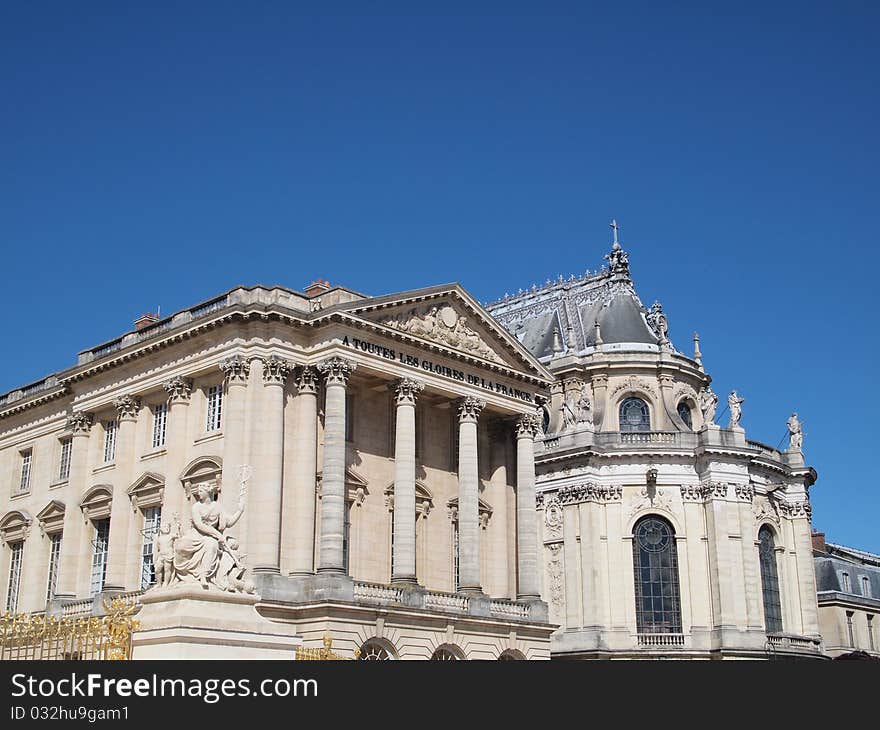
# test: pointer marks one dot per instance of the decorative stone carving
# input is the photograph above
(469, 409)
(206, 554)
(237, 369)
(444, 325)
(618, 259)
(80, 423)
(634, 384)
(659, 323)
(275, 370)
(577, 408)
(555, 578)
(589, 492)
(795, 510)
(683, 390)
(306, 380)
(734, 402)
(744, 492)
(407, 390)
(179, 389)
(163, 551)
(527, 425)
(708, 405)
(765, 509)
(127, 407)
(652, 499)
(694, 493)
(553, 518)
(716, 490)
(337, 370)
(795, 433)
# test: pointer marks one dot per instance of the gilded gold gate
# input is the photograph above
(26, 636)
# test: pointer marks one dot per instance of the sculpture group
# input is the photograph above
(442, 324)
(205, 554)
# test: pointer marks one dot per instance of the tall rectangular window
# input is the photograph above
(54, 560)
(99, 556)
(152, 518)
(455, 573)
(109, 441)
(871, 632)
(849, 628)
(866, 586)
(215, 407)
(160, 415)
(844, 579)
(346, 537)
(64, 461)
(27, 460)
(14, 576)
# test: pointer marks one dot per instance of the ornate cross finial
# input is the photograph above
(614, 228)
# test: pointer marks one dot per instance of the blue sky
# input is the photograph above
(160, 155)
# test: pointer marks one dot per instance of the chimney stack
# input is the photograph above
(145, 320)
(317, 287)
(818, 541)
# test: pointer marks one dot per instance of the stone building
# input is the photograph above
(848, 582)
(662, 532)
(290, 464)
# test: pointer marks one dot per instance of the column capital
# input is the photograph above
(127, 407)
(337, 370)
(306, 380)
(237, 369)
(407, 390)
(527, 426)
(80, 423)
(179, 389)
(469, 409)
(276, 370)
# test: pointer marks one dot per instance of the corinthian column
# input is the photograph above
(336, 372)
(468, 496)
(127, 408)
(264, 502)
(74, 541)
(526, 513)
(237, 372)
(173, 498)
(403, 569)
(304, 465)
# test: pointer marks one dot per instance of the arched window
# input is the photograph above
(447, 653)
(511, 655)
(684, 413)
(634, 415)
(376, 650)
(655, 564)
(769, 581)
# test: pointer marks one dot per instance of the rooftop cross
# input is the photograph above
(614, 227)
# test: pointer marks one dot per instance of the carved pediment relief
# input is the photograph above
(51, 517)
(147, 491)
(442, 323)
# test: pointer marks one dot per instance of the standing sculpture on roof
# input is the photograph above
(734, 402)
(795, 433)
(708, 404)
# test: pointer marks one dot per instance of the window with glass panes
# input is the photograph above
(215, 408)
(160, 415)
(152, 518)
(27, 460)
(684, 413)
(99, 556)
(634, 415)
(109, 441)
(655, 564)
(455, 572)
(769, 581)
(14, 584)
(64, 460)
(54, 561)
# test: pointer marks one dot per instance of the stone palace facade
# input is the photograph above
(416, 474)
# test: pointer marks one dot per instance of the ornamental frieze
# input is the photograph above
(795, 510)
(744, 492)
(635, 384)
(443, 325)
(589, 492)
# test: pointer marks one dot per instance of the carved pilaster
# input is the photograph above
(306, 380)
(80, 423)
(276, 370)
(179, 389)
(469, 409)
(337, 370)
(127, 407)
(236, 369)
(407, 390)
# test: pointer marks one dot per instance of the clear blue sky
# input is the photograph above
(160, 155)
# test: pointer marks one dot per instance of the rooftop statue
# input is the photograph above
(734, 402)
(658, 320)
(618, 260)
(708, 404)
(795, 433)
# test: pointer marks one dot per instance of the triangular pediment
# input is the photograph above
(51, 517)
(449, 317)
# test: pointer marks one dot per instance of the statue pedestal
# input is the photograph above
(793, 458)
(186, 621)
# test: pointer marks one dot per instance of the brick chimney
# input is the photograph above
(818, 541)
(317, 287)
(145, 320)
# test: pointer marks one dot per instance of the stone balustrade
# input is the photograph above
(660, 641)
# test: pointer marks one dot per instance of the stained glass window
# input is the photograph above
(655, 563)
(769, 581)
(634, 415)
